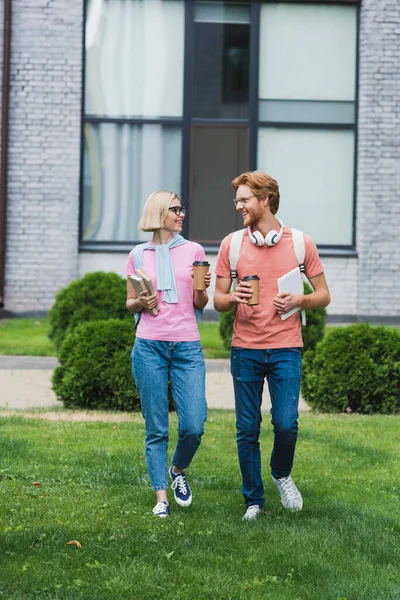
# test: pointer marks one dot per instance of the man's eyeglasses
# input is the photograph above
(242, 200)
(178, 210)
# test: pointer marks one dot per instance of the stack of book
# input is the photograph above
(142, 282)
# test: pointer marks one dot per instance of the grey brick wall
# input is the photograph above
(42, 250)
(44, 153)
(1, 57)
(378, 183)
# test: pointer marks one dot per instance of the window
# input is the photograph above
(307, 115)
(186, 95)
(133, 112)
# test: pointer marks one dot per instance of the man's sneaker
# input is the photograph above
(253, 512)
(161, 509)
(182, 493)
(290, 495)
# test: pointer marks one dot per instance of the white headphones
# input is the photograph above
(270, 239)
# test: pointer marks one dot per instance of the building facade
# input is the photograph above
(112, 99)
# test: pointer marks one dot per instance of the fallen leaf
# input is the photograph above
(216, 457)
(115, 427)
(74, 543)
(37, 484)
(61, 441)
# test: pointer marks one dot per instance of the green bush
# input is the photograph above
(354, 369)
(95, 370)
(95, 297)
(312, 333)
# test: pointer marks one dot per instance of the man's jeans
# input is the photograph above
(153, 364)
(282, 368)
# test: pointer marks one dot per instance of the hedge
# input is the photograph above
(354, 369)
(95, 297)
(95, 370)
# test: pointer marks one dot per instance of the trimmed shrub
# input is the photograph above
(95, 370)
(226, 320)
(95, 297)
(354, 369)
(312, 333)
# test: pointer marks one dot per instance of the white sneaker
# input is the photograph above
(161, 509)
(290, 495)
(253, 512)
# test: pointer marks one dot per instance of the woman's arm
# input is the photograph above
(200, 297)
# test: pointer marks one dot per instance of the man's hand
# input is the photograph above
(284, 302)
(242, 293)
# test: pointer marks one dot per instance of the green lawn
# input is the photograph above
(29, 337)
(25, 337)
(94, 489)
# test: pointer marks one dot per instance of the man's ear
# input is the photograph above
(265, 200)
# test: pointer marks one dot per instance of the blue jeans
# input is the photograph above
(282, 368)
(182, 363)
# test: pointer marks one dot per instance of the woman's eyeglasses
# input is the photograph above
(178, 210)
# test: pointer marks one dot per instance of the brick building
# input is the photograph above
(113, 99)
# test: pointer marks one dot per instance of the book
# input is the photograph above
(291, 282)
(142, 282)
(137, 283)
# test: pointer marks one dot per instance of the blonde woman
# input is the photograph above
(167, 345)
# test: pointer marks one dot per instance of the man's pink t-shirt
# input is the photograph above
(261, 327)
(174, 322)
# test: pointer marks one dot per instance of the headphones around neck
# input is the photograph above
(270, 239)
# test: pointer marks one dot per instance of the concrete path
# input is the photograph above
(25, 383)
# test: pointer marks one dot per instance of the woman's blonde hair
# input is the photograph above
(262, 185)
(156, 209)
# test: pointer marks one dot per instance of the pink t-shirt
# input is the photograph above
(260, 326)
(174, 322)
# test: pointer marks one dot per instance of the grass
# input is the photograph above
(25, 337)
(94, 489)
(28, 337)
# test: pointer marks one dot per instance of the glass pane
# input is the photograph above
(221, 70)
(219, 12)
(301, 111)
(307, 52)
(123, 164)
(134, 58)
(219, 154)
(314, 169)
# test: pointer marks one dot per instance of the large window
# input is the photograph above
(133, 112)
(186, 95)
(307, 115)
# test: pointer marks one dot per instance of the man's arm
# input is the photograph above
(284, 302)
(224, 299)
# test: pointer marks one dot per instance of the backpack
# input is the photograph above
(299, 250)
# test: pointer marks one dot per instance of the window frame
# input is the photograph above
(187, 121)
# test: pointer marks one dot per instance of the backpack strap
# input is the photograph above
(300, 252)
(234, 251)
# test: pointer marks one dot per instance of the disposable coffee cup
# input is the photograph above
(200, 270)
(254, 280)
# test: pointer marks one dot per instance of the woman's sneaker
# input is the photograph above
(161, 509)
(182, 493)
(290, 495)
(253, 512)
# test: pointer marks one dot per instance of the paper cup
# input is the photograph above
(200, 270)
(254, 280)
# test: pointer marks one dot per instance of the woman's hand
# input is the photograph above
(207, 279)
(147, 302)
